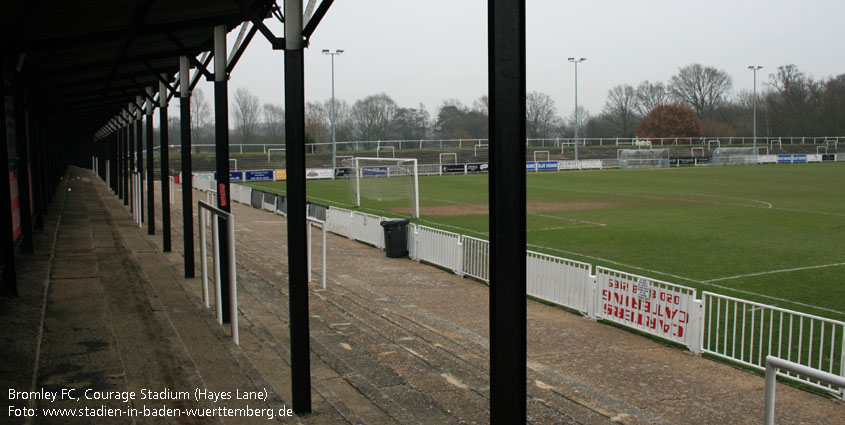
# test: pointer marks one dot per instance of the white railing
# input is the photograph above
(747, 332)
(242, 194)
(216, 213)
(476, 262)
(558, 280)
(437, 247)
(652, 306)
(358, 226)
(322, 225)
(773, 364)
(730, 328)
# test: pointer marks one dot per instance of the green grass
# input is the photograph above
(702, 227)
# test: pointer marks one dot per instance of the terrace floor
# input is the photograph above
(393, 341)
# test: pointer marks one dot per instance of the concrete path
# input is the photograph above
(393, 341)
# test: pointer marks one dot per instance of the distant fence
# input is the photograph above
(560, 142)
(737, 330)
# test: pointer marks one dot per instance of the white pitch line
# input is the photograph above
(822, 266)
(591, 223)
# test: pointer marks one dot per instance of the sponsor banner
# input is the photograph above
(686, 160)
(478, 168)
(652, 306)
(258, 175)
(784, 159)
(318, 173)
(342, 172)
(373, 171)
(452, 168)
(234, 176)
(540, 165)
(547, 165)
(799, 158)
(281, 174)
(829, 157)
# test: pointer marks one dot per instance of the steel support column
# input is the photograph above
(186, 181)
(120, 136)
(8, 276)
(35, 171)
(126, 130)
(221, 143)
(22, 168)
(164, 160)
(506, 79)
(130, 153)
(297, 261)
(139, 143)
(151, 207)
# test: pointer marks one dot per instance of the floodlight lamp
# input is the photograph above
(325, 51)
(571, 59)
(339, 51)
(582, 59)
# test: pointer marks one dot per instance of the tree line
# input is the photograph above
(698, 100)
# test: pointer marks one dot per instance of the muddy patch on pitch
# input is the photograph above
(532, 207)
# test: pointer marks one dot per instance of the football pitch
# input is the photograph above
(774, 234)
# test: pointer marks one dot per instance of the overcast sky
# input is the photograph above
(433, 50)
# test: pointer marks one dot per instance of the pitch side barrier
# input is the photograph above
(732, 329)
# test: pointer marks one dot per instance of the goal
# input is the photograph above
(384, 179)
(734, 156)
(643, 158)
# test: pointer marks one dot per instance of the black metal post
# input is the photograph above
(151, 208)
(139, 142)
(297, 261)
(8, 276)
(120, 136)
(221, 145)
(113, 145)
(127, 133)
(508, 341)
(35, 171)
(164, 159)
(187, 180)
(22, 167)
(130, 154)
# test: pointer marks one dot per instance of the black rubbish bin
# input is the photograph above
(395, 237)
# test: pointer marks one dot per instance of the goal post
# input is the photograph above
(385, 179)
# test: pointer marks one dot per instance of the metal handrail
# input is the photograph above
(233, 275)
(773, 364)
(321, 224)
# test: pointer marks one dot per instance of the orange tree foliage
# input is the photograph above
(669, 121)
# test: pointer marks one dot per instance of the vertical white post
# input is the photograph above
(769, 409)
(324, 252)
(308, 242)
(233, 279)
(416, 191)
(357, 182)
(203, 256)
(215, 241)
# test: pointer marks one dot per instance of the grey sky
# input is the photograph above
(433, 50)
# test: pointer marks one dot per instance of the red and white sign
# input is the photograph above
(658, 308)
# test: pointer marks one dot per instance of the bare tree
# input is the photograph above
(650, 96)
(318, 122)
(246, 113)
(702, 88)
(373, 117)
(540, 114)
(200, 111)
(274, 120)
(620, 109)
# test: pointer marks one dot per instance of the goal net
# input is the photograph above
(385, 180)
(734, 156)
(643, 158)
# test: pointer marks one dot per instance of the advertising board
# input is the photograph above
(258, 175)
